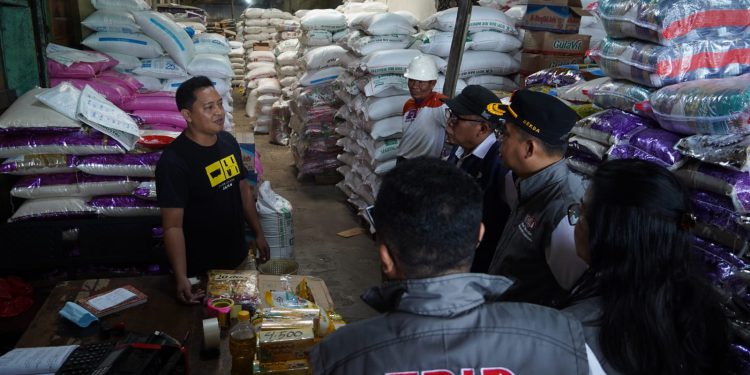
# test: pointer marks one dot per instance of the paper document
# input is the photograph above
(62, 98)
(41, 360)
(68, 56)
(99, 113)
(112, 298)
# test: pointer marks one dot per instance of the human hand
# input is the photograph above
(185, 293)
(263, 249)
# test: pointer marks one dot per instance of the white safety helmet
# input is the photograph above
(422, 68)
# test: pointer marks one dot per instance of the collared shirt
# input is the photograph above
(480, 151)
(424, 128)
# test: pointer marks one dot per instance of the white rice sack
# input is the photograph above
(409, 16)
(211, 43)
(253, 30)
(289, 70)
(323, 19)
(266, 100)
(389, 127)
(27, 112)
(363, 6)
(254, 38)
(316, 38)
(367, 45)
(120, 5)
(493, 82)
(287, 58)
(253, 13)
(438, 43)
(269, 86)
(52, 207)
(262, 72)
(237, 52)
(383, 85)
(482, 19)
(316, 77)
(460, 85)
(170, 35)
(234, 44)
(384, 24)
(577, 92)
(379, 108)
(125, 62)
(160, 67)
(71, 185)
(256, 23)
(238, 82)
(258, 64)
(322, 57)
(221, 86)
(288, 81)
(386, 149)
(385, 166)
(258, 56)
(476, 63)
(387, 62)
(212, 66)
(149, 83)
(287, 46)
(288, 25)
(137, 45)
(494, 41)
(198, 27)
(237, 65)
(113, 22)
(237, 60)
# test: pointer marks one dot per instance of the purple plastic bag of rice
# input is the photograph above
(611, 126)
(71, 143)
(71, 185)
(654, 145)
(717, 210)
(146, 190)
(733, 184)
(742, 354)
(132, 165)
(587, 147)
(730, 151)
(123, 205)
(38, 164)
(52, 209)
(722, 264)
(564, 75)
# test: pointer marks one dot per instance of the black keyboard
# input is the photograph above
(86, 358)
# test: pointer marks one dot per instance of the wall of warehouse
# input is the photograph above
(420, 8)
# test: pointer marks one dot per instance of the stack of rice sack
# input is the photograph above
(679, 66)
(72, 170)
(491, 43)
(288, 29)
(288, 72)
(314, 103)
(237, 59)
(374, 91)
(256, 26)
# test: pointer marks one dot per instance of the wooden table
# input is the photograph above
(162, 312)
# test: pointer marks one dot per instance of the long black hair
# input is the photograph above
(660, 315)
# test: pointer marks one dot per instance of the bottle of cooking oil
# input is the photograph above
(242, 345)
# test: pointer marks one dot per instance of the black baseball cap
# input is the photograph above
(538, 114)
(473, 100)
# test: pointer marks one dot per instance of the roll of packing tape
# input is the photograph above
(210, 333)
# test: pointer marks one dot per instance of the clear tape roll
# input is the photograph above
(210, 333)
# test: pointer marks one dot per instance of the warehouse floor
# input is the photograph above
(348, 265)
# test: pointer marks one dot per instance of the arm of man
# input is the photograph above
(561, 255)
(174, 241)
(253, 220)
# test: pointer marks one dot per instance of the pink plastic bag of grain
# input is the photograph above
(160, 117)
(80, 69)
(121, 79)
(113, 91)
(150, 103)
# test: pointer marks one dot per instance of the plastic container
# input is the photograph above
(242, 345)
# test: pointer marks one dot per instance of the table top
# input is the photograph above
(162, 312)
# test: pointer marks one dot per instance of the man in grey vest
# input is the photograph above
(437, 318)
(536, 248)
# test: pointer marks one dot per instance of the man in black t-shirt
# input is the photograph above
(202, 192)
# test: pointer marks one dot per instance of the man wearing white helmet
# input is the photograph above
(424, 114)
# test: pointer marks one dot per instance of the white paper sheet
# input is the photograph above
(41, 360)
(99, 113)
(112, 298)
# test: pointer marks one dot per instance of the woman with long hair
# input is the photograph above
(645, 302)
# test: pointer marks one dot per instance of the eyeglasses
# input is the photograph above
(575, 212)
(452, 117)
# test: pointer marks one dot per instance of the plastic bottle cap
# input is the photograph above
(243, 315)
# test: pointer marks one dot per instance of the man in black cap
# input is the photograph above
(471, 128)
(536, 247)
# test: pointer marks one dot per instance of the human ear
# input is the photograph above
(186, 115)
(387, 262)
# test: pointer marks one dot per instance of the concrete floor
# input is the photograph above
(348, 265)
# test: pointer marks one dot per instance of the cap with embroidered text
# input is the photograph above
(537, 114)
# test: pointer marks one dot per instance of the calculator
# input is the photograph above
(86, 358)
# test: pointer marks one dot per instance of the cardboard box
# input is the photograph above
(559, 16)
(546, 43)
(532, 63)
(285, 345)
